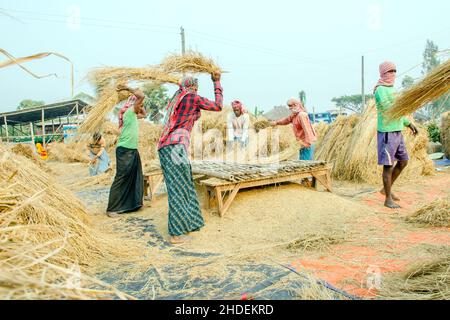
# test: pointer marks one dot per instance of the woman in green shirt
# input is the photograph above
(127, 190)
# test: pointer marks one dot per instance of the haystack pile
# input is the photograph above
(47, 239)
(436, 214)
(350, 144)
(69, 153)
(445, 133)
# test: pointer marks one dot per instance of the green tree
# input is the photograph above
(407, 82)
(28, 103)
(353, 102)
(156, 99)
(430, 60)
(302, 96)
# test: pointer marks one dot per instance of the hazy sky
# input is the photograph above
(271, 49)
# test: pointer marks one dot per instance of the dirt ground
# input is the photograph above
(266, 227)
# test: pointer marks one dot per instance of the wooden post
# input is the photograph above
(7, 133)
(78, 113)
(32, 134)
(43, 127)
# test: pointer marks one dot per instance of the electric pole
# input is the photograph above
(363, 94)
(183, 41)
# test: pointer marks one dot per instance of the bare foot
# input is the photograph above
(113, 214)
(391, 204)
(394, 197)
(180, 239)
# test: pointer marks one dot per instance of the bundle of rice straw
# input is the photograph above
(445, 133)
(24, 150)
(190, 62)
(149, 135)
(69, 153)
(426, 281)
(261, 124)
(321, 130)
(351, 146)
(45, 232)
(432, 87)
(436, 214)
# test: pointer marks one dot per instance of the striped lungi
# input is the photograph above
(184, 210)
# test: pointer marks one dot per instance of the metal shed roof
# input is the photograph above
(51, 111)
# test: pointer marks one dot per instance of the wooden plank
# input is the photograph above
(219, 199)
(230, 199)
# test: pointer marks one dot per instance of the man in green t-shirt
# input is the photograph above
(391, 144)
(127, 190)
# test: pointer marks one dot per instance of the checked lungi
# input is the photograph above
(184, 209)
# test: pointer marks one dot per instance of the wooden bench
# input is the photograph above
(223, 192)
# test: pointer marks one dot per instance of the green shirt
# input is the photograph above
(130, 131)
(384, 98)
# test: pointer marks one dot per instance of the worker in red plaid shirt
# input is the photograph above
(182, 112)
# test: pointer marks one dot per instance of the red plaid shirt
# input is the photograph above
(186, 113)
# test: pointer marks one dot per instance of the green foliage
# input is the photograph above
(407, 82)
(156, 99)
(28, 103)
(430, 60)
(302, 96)
(353, 102)
(257, 112)
(433, 132)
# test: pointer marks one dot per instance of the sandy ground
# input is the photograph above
(262, 222)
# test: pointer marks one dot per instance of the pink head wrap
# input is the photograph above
(237, 105)
(386, 78)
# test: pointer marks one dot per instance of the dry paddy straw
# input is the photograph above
(190, 62)
(432, 87)
(425, 281)
(435, 214)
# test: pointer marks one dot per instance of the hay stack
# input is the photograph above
(321, 130)
(45, 234)
(432, 87)
(149, 135)
(24, 150)
(351, 146)
(445, 133)
(436, 214)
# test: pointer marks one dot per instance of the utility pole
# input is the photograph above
(183, 41)
(363, 94)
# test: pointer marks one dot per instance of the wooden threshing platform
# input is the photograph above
(222, 181)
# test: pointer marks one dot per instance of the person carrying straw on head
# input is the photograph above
(182, 111)
(127, 190)
(238, 123)
(391, 145)
(303, 129)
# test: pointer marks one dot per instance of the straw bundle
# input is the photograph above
(426, 281)
(432, 87)
(321, 130)
(261, 124)
(436, 214)
(445, 133)
(73, 152)
(44, 232)
(190, 62)
(149, 135)
(105, 104)
(317, 242)
(24, 150)
(351, 146)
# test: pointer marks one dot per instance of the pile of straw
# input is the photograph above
(24, 150)
(436, 214)
(432, 87)
(104, 179)
(445, 133)
(69, 153)
(426, 281)
(317, 242)
(321, 130)
(350, 144)
(261, 124)
(46, 234)
(190, 62)
(149, 135)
